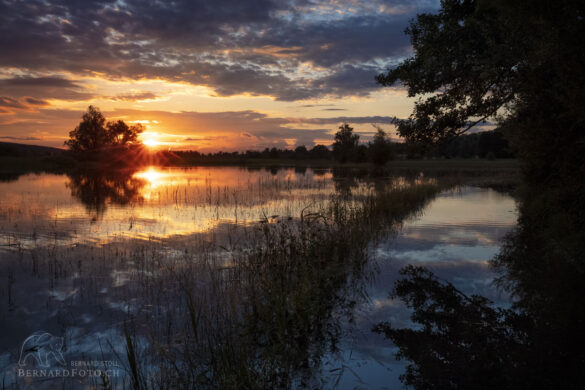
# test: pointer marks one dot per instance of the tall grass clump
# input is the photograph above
(283, 297)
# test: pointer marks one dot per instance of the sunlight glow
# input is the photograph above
(154, 176)
(150, 139)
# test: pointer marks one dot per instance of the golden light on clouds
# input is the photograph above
(280, 76)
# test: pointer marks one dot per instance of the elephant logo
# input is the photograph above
(41, 346)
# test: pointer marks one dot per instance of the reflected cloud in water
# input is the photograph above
(158, 230)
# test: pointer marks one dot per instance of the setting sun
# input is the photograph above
(150, 139)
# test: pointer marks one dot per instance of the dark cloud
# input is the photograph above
(343, 119)
(36, 102)
(40, 88)
(232, 46)
(11, 105)
(8, 102)
(38, 82)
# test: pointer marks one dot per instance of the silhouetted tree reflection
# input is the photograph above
(96, 190)
(347, 179)
(466, 342)
(543, 266)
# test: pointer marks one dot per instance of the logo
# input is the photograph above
(43, 347)
(41, 356)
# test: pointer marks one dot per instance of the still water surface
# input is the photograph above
(78, 253)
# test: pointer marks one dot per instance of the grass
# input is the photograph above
(255, 305)
(280, 299)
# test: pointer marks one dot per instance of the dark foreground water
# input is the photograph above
(88, 260)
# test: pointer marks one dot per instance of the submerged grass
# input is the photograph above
(281, 300)
(257, 306)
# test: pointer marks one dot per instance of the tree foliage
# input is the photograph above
(463, 57)
(380, 148)
(93, 134)
(520, 63)
(345, 147)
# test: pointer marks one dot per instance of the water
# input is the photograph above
(455, 237)
(81, 254)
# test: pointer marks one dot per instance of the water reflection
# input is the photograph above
(216, 275)
(537, 342)
(97, 189)
(154, 203)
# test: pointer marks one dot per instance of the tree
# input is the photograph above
(93, 134)
(380, 149)
(522, 65)
(346, 144)
(301, 152)
(320, 152)
(119, 133)
(460, 60)
(90, 134)
(494, 143)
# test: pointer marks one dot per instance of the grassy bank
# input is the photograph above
(49, 163)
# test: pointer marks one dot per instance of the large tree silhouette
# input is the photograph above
(518, 64)
(94, 134)
(524, 65)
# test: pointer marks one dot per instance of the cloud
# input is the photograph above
(343, 119)
(199, 139)
(38, 82)
(10, 105)
(36, 102)
(290, 49)
(135, 96)
(40, 88)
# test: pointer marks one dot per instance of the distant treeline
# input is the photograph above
(22, 150)
(488, 144)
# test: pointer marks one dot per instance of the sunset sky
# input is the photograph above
(205, 75)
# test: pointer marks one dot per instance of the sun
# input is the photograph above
(150, 139)
(151, 143)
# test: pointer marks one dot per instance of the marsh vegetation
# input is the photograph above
(213, 277)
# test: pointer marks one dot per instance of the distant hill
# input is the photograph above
(21, 150)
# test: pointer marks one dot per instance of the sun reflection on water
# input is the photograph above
(154, 176)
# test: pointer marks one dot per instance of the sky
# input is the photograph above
(203, 75)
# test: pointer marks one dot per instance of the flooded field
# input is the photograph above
(225, 277)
